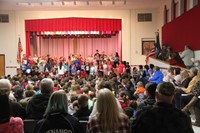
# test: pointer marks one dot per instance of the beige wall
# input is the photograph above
(132, 31)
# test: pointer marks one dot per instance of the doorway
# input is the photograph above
(2, 65)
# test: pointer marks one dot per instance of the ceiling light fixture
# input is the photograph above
(124, 2)
(63, 3)
(113, 2)
(100, 2)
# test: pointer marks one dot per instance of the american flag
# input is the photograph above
(19, 51)
(151, 53)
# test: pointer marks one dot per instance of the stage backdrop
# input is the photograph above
(65, 47)
(183, 30)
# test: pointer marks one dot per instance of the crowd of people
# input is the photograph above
(185, 59)
(103, 90)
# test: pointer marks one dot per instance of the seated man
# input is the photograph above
(162, 117)
(38, 103)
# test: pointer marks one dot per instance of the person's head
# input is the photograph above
(5, 107)
(165, 92)
(187, 47)
(140, 66)
(184, 74)
(46, 85)
(193, 72)
(107, 110)
(104, 84)
(151, 89)
(29, 87)
(146, 67)
(57, 103)
(83, 101)
(157, 68)
(198, 74)
(151, 66)
(5, 86)
(140, 84)
(177, 71)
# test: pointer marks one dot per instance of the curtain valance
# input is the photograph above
(73, 24)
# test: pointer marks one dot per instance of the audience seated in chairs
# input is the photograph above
(38, 103)
(182, 101)
(195, 104)
(108, 118)
(56, 117)
(162, 117)
(8, 123)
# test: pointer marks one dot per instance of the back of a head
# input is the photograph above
(106, 101)
(83, 100)
(140, 84)
(57, 103)
(104, 84)
(46, 85)
(157, 68)
(165, 89)
(194, 71)
(5, 86)
(151, 89)
(107, 109)
(151, 66)
(29, 87)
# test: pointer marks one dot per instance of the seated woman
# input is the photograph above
(8, 124)
(107, 117)
(56, 117)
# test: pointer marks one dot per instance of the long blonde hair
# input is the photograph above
(107, 110)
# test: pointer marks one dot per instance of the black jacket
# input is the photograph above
(82, 113)
(59, 123)
(37, 106)
(17, 110)
(161, 118)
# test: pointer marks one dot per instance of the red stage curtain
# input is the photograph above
(28, 51)
(73, 24)
(70, 24)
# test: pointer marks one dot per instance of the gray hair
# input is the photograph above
(57, 103)
(194, 71)
(46, 85)
(5, 86)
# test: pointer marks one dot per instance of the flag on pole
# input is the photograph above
(156, 50)
(157, 45)
(19, 51)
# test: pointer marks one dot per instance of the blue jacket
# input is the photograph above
(157, 77)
